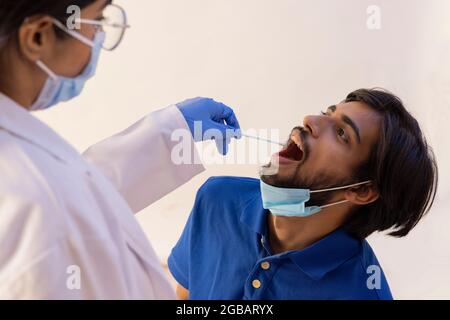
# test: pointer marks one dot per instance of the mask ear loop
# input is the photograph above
(342, 187)
(46, 69)
(333, 204)
(74, 34)
(338, 188)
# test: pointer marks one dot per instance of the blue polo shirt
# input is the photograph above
(223, 253)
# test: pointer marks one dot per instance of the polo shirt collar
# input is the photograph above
(316, 260)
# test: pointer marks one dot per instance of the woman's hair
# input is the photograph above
(14, 12)
(401, 165)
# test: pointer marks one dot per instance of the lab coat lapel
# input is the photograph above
(20, 122)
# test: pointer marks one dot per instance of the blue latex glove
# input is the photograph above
(213, 115)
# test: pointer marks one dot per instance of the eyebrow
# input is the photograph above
(348, 121)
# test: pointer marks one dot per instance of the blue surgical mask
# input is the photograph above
(57, 88)
(291, 202)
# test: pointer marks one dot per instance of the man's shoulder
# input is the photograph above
(372, 270)
(229, 186)
(226, 195)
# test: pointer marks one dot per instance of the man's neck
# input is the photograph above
(295, 233)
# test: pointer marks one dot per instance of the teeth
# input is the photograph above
(297, 143)
(296, 139)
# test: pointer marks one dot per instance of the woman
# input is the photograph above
(67, 228)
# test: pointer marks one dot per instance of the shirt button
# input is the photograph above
(256, 284)
(265, 265)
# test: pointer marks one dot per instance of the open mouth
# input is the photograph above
(292, 151)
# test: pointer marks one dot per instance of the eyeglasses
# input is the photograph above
(114, 23)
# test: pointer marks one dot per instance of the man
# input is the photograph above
(370, 151)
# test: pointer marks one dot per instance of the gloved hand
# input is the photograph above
(212, 115)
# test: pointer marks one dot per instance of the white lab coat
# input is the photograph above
(67, 225)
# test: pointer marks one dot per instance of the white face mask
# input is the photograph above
(57, 88)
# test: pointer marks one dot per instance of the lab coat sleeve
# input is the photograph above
(139, 161)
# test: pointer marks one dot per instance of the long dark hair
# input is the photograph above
(401, 165)
(14, 12)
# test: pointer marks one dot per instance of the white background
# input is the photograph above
(275, 61)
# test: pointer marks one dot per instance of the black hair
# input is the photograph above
(14, 12)
(402, 167)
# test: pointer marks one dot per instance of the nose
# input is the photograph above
(312, 124)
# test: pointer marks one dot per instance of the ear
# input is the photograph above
(362, 195)
(36, 37)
